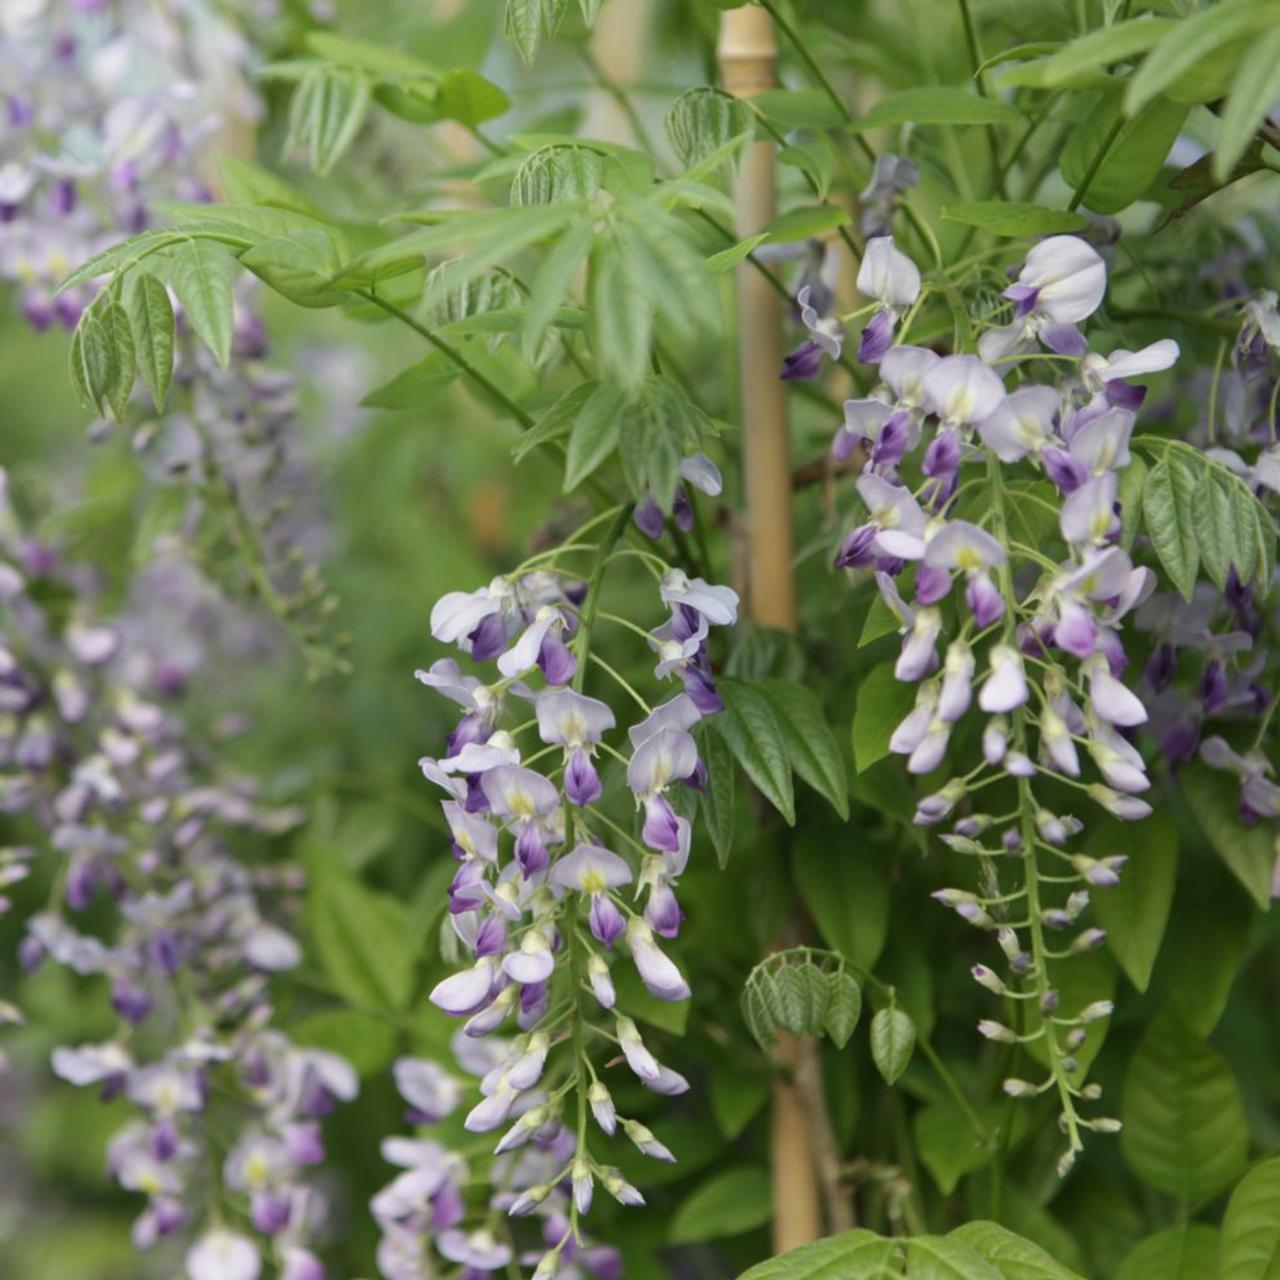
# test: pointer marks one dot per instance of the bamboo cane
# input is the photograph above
(748, 55)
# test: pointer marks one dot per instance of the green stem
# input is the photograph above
(816, 72)
(591, 602)
(1112, 134)
(1026, 809)
(452, 353)
(975, 52)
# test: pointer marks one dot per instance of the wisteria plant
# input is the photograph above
(896, 628)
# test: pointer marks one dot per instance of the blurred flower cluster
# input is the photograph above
(111, 111)
(143, 840)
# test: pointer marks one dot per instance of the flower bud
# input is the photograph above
(1019, 1088)
(997, 1031)
(602, 1107)
(644, 1139)
(1089, 940)
(988, 978)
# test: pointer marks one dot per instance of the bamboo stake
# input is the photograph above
(748, 55)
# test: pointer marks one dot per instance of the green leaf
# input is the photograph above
(815, 160)
(728, 1204)
(1211, 524)
(1014, 218)
(92, 361)
(238, 226)
(1188, 1251)
(551, 284)
(879, 621)
(1184, 1123)
(653, 432)
(411, 388)
(524, 26)
(366, 1042)
(893, 1039)
(791, 109)
(1251, 1227)
(113, 320)
(360, 936)
(798, 994)
(729, 258)
(151, 320)
(1133, 157)
(1255, 92)
(749, 726)
(844, 1007)
(737, 1097)
(718, 799)
(812, 747)
(300, 266)
(946, 1258)
(937, 104)
(1013, 1256)
(201, 273)
(1201, 977)
(557, 422)
(119, 257)
(1134, 912)
(620, 315)
(805, 223)
(1104, 47)
(1129, 490)
(852, 1255)
(845, 890)
(1168, 502)
(1189, 42)
(883, 701)
(328, 108)
(367, 54)
(558, 172)
(594, 435)
(501, 232)
(245, 182)
(704, 120)
(948, 1146)
(1249, 852)
(467, 97)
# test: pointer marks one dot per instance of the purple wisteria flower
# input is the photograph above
(550, 894)
(1038, 649)
(142, 827)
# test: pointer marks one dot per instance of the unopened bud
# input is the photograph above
(1020, 1088)
(1098, 1009)
(997, 1031)
(1089, 940)
(988, 978)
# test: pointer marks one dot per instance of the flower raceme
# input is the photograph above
(1034, 644)
(138, 835)
(549, 893)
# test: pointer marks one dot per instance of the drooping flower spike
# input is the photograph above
(1038, 650)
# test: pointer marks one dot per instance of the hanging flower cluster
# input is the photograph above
(549, 893)
(130, 828)
(993, 624)
(107, 116)
(103, 118)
